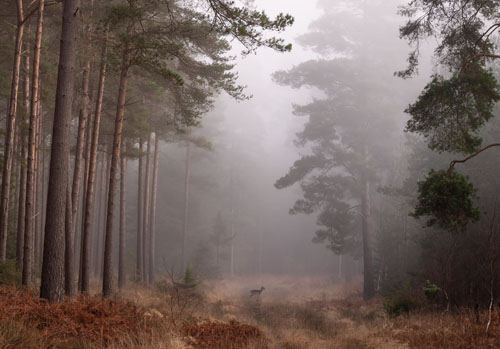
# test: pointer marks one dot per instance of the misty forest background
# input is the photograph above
(235, 153)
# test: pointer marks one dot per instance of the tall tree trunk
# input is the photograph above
(80, 142)
(21, 208)
(122, 240)
(154, 194)
(22, 183)
(27, 275)
(186, 205)
(145, 227)
(36, 188)
(78, 245)
(368, 276)
(9, 135)
(17, 170)
(107, 285)
(52, 286)
(69, 287)
(44, 182)
(40, 199)
(104, 204)
(231, 248)
(89, 199)
(99, 231)
(140, 249)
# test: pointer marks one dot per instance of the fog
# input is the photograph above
(252, 146)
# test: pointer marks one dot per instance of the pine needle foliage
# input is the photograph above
(447, 198)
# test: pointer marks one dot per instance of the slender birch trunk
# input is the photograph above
(140, 249)
(80, 142)
(99, 235)
(38, 248)
(186, 205)
(78, 243)
(231, 249)
(27, 275)
(154, 194)
(22, 184)
(44, 191)
(89, 199)
(145, 226)
(21, 207)
(122, 278)
(9, 136)
(36, 194)
(107, 287)
(104, 201)
(368, 275)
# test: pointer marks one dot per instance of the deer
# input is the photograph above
(256, 292)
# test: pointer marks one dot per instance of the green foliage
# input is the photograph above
(189, 277)
(448, 199)
(431, 291)
(248, 25)
(450, 111)
(340, 153)
(458, 26)
(401, 302)
(9, 275)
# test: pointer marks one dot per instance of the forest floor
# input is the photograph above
(291, 313)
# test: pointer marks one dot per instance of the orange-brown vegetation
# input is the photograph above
(87, 319)
(458, 330)
(206, 334)
(290, 314)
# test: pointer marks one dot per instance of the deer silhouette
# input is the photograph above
(256, 292)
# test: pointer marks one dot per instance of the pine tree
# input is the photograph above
(52, 286)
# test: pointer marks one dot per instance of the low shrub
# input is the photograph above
(401, 302)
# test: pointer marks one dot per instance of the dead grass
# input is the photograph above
(290, 314)
(80, 323)
(301, 313)
(434, 330)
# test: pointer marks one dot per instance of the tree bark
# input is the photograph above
(154, 194)
(186, 205)
(9, 135)
(99, 235)
(107, 285)
(122, 240)
(27, 275)
(44, 192)
(368, 286)
(89, 199)
(145, 227)
(37, 201)
(79, 242)
(80, 142)
(21, 208)
(140, 249)
(69, 287)
(22, 183)
(52, 285)
(102, 216)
